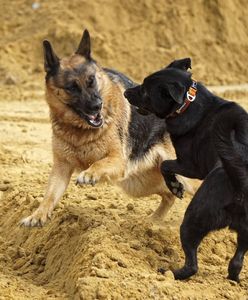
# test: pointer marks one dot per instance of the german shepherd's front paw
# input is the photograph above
(87, 177)
(175, 186)
(37, 219)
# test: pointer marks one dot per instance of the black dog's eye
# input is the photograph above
(164, 93)
(90, 81)
(143, 91)
(73, 87)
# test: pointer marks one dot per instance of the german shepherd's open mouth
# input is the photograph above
(94, 120)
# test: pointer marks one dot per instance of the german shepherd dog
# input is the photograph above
(96, 131)
(210, 136)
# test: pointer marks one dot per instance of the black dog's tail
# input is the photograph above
(230, 137)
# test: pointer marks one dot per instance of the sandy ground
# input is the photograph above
(99, 243)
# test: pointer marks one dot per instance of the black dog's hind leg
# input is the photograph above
(171, 167)
(236, 262)
(191, 237)
(206, 212)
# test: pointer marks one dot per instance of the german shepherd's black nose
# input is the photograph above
(96, 104)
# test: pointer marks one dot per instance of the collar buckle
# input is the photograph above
(190, 97)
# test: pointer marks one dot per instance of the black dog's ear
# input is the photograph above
(51, 60)
(183, 64)
(84, 45)
(177, 91)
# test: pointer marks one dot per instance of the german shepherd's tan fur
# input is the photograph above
(95, 143)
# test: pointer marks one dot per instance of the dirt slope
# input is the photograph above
(99, 243)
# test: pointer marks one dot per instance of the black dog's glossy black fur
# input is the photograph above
(211, 142)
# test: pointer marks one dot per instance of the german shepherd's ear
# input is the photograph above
(84, 46)
(176, 91)
(183, 64)
(51, 60)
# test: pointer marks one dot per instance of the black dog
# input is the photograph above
(210, 136)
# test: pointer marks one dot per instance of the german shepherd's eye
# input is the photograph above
(90, 81)
(73, 87)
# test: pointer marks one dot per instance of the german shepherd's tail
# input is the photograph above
(230, 137)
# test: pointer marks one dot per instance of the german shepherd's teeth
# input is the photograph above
(97, 121)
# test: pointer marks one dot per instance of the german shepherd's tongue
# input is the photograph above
(92, 117)
(96, 120)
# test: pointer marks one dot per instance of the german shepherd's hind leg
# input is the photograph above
(57, 184)
(168, 198)
(236, 262)
(166, 203)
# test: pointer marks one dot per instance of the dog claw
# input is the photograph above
(174, 191)
(77, 182)
(35, 221)
(30, 222)
(93, 182)
(175, 184)
(180, 194)
(86, 179)
(81, 181)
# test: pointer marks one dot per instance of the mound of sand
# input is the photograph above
(99, 243)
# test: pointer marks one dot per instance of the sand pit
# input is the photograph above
(99, 243)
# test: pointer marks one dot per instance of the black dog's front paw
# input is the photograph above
(174, 186)
(177, 189)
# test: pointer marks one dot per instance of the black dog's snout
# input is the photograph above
(130, 94)
(125, 94)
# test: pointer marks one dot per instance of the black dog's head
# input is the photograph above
(162, 92)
